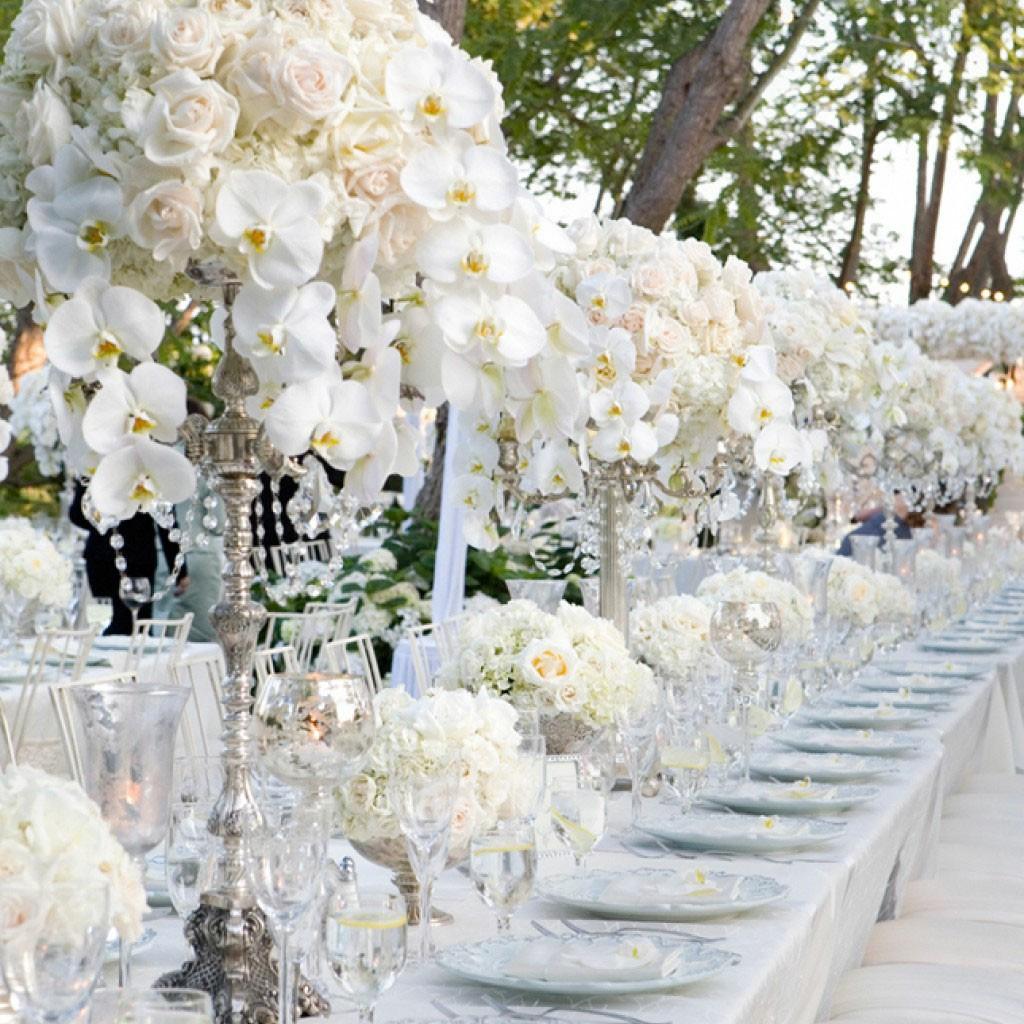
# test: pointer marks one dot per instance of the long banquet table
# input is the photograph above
(793, 953)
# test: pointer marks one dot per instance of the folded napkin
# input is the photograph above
(603, 959)
(666, 891)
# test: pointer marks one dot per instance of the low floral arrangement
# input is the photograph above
(860, 596)
(51, 833)
(752, 585)
(671, 635)
(31, 566)
(568, 663)
(935, 573)
(413, 737)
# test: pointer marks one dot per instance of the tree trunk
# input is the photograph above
(449, 14)
(428, 501)
(926, 221)
(851, 254)
(699, 86)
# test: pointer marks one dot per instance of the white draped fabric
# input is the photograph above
(794, 954)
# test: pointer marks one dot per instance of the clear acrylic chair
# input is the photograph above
(155, 640)
(5, 735)
(60, 702)
(354, 656)
(58, 655)
(203, 717)
(309, 630)
(274, 661)
(432, 646)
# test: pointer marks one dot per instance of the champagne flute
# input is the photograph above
(502, 865)
(424, 804)
(52, 942)
(578, 818)
(286, 870)
(365, 941)
(135, 592)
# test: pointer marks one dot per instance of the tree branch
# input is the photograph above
(449, 14)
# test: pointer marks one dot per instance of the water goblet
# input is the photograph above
(365, 939)
(685, 758)
(638, 726)
(151, 1006)
(529, 780)
(135, 592)
(424, 804)
(285, 869)
(502, 865)
(189, 856)
(578, 819)
(744, 634)
(52, 943)
(599, 762)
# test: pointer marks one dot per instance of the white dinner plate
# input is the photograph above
(727, 894)
(739, 833)
(898, 697)
(962, 645)
(485, 962)
(945, 669)
(870, 742)
(913, 684)
(880, 716)
(786, 766)
(800, 797)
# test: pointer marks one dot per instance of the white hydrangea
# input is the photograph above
(31, 566)
(743, 584)
(672, 634)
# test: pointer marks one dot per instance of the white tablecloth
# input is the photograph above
(792, 953)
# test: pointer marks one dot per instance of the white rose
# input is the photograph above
(44, 124)
(186, 37)
(548, 663)
(45, 30)
(309, 81)
(188, 120)
(122, 30)
(166, 219)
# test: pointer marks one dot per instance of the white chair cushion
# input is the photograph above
(974, 830)
(991, 898)
(994, 783)
(884, 992)
(960, 943)
(984, 805)
(980, 858)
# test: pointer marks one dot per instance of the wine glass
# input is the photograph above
(365, 938)
(189, 856)
(135, 592)
(638, 724)
(52, 943)
(502, 865)
(424, 804)
(529, 780)
(151, 1006)
(578, 819)
(744, 634)
(286, 868)
(685, 757)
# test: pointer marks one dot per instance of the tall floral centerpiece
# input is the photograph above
(658, 377)
(302, 162)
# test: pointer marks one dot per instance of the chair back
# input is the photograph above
(203, 717)
(272, 661)
(157, 640)
(354, 656)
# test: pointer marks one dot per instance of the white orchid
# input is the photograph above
(285, 332)
(463, 176)
(503, 329)
(69, 403)
(605, 297)
(273, 224)
(755, 405)
(16, 283)
(469, 382)
(100, 323)
(621, 430)
(545, 397)
(556, 470)
(615, 356)
(139, 475)
(780, 448)
(335, 418)
(437, 85)
(461, 252)
(74, 215)
(360, 323)
(546, 237)
(148, 402)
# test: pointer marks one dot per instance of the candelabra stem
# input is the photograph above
(612, 597)
(767, 518)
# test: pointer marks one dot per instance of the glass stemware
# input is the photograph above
(286, 867)
(529, 781)
(189, 856)
(578, 819)
(685, 757)
(744, 634)
(502, 865)
(135, 592)
(52, 943)
(365, 938)
(424, 805)
(638, 727)
(151, 1006)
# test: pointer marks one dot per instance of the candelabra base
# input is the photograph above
(209, 931)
